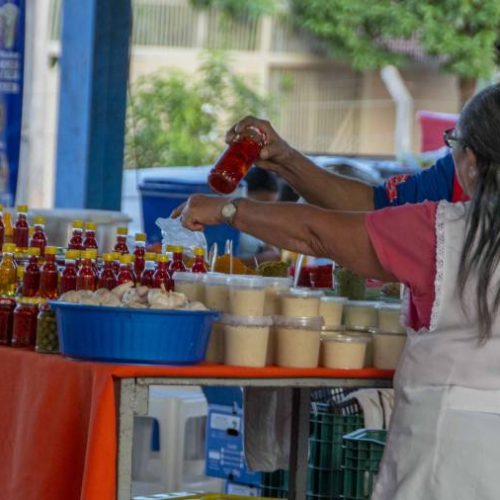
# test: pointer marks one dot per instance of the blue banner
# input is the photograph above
(12, 31)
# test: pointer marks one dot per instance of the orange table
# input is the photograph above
(61, 421)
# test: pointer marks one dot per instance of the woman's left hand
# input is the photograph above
(199, 211)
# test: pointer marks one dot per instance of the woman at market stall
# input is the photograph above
(444, 442)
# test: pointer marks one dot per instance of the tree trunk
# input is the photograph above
(466, 89)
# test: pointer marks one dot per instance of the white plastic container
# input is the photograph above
(298, 341)
(247, 295)
(192, 285)
(360, 315)
(387, 349)
(331, 309)
(246, 339)
(344, 351)
(215, 349)
(274, 286)
(217, 292)
(389, 318)
(300, 303)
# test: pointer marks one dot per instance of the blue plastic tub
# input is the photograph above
(160, 196)
(117, 334)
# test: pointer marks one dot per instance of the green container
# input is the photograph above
(363, 451)
(325, 474)
(349, 285)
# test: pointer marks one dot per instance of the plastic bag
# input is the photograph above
(174, 233)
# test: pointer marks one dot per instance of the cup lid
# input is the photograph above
(303, 322)
(302, 292)
(385, 306)
(278, 282)
(216, 279)
(255, 321)
(334, 299)
(188, 277)
(242, 281)
(356, 330)
(345, 338)
(391, 334)
(361, 303)
(326, 330)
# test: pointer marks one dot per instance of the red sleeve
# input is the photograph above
(404, 239)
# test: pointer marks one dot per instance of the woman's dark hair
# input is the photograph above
(479, 130)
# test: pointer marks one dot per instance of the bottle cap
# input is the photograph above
(39, 220)
(162, 258)
(116, 255)
(34, 251)
(123, 231)
(77, 224)
(170, 248)
(199, 251)
(22, 208)
(107, 257)
(90, 226)
(140, 237)
(50, 250)
(87, 254)
(93, 253)
(177, 249)
(72, 254)
(126, 259)
(150, 256)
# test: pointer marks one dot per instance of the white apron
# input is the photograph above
(444, 439)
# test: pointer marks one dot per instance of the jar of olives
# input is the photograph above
(46, 331)
(349, 285)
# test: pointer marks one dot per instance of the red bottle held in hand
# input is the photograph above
(236, 160)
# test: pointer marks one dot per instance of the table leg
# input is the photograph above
(297, 485)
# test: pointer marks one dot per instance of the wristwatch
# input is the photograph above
(228, 211)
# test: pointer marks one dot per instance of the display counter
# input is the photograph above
(66, 426)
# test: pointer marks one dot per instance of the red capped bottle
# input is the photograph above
(121, 241)
(107, 276)
(68, 276)
(86, 277)
(199, 265)
(39, 238)
(161, 275)
(149, 270)
(90, 241)
(236, 160)
(76, 240)
(31, 277)
(21, 227)
(116, 262)
(177, 263)
(126, 271)
(139, 254)
(25, 322)
(49, 277)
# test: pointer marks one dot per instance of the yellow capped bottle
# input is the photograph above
(8, 271)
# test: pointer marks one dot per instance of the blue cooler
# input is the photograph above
(161, 196)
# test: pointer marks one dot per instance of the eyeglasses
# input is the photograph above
(450, 139)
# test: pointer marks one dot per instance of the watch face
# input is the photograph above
(228, 210)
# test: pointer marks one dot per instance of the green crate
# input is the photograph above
(325, 474)
(363, 451)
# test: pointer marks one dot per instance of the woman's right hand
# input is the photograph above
(276, 152)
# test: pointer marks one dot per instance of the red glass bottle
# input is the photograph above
(21, 228)
(199, 265)
(25, 322)
(39, 238)
(86, 277)
(7, 307)
(177, 264)
(31, 277)
(90, 241)
(49, 277)
(126, 271)
(236, 160)
(161, 275)
(68, 276)
(121, 241)
(116, 262)
(149, 270)
(139, 254)
(107, 276)
(76, 240)
(2, 227)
